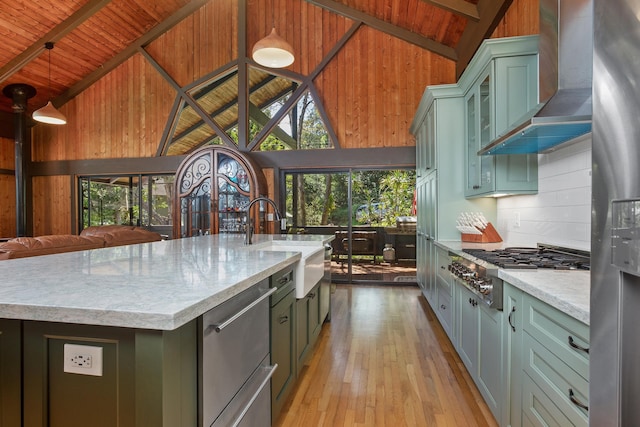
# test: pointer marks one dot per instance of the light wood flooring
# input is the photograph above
(384, 360)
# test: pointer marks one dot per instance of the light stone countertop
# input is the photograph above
(565, 290)
(160, 285)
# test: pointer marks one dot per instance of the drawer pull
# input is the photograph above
(264, 383)
(230, 320)
(442, 306)
(573, 344)
(576, 402)
(283, 319)
(312, 295)
(513, 328)
(283, 280)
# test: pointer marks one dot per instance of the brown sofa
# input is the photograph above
(90, 238)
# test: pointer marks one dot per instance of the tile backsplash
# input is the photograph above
(560, 214)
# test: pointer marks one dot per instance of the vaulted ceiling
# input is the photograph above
(92, 37)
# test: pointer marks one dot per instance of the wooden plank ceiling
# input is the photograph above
(94, 36)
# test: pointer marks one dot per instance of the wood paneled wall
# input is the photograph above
(51, 205)
(369, 102)
(370, 89)
(522, 19)
(122, 115)
(7, 189)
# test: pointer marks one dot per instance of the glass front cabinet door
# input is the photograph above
(214, 186)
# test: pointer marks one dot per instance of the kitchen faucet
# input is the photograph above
(248, 225)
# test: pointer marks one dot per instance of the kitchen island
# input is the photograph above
(141, 305)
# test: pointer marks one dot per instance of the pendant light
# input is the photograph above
(273, 51)
(49, 114)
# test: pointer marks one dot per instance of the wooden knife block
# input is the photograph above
(489, 235)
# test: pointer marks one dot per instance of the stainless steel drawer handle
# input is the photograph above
(255, 395)
(573, 344)
(576, 402)
(230, 320)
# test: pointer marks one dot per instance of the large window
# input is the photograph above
(142, 200)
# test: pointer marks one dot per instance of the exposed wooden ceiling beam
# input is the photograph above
(380, 25)
(130, 50)
(459, 7)
(58, 32)
(491, 12)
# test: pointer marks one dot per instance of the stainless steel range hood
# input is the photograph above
(565, 76)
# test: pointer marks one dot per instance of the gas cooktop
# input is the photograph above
(543, 256)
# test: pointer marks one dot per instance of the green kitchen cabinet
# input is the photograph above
(547, 364)
(467, 324)
(479, 344)
(500, 86)
(512, 356)
(10, 369)
(445, 307)
(440, 179)
(555, 367)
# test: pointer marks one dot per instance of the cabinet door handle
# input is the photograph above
(442, 306)
(312, 295)
(283, 319)
(219, 327)
(573, 344)
(475, 187)
(513, 328)
(576, 402)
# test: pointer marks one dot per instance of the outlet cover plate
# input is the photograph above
(83, 359)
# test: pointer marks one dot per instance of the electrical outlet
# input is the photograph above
(83, 359)
(516, 220)
(269, 216)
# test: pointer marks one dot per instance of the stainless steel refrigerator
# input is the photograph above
(614, 391)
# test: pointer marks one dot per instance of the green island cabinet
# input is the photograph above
(149, 378)
(10, 368)
(547, 364)
(500, 86)
(283, 335)
(308, 325)
(440, 179)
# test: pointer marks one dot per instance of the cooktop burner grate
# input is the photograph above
(550, 257)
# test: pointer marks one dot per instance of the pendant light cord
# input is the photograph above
(49, 47)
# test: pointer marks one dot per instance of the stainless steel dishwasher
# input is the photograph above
(235, 368)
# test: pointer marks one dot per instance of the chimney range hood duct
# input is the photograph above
(565, 76)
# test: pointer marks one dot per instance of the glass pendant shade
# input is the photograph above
(273, 51)
(49, 114)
